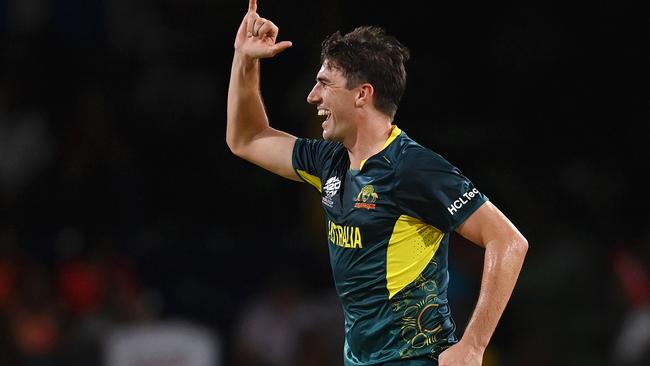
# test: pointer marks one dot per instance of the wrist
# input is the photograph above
(245, 60)
(245, 67)
(475, 343)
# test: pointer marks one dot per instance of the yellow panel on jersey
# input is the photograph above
(410, 249)
(311, 179)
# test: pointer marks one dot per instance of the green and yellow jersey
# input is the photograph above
(388, 227)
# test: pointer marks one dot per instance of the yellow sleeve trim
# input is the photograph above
(311, 179)
(411, 247)
(393, 135)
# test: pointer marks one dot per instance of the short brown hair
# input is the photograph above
(368, 55)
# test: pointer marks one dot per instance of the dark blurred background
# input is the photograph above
(130, 235)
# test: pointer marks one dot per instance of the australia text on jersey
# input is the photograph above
(343, 235)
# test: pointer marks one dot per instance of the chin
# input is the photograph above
(331, 133)
(330, 137)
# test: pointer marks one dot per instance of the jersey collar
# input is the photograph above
(395, 131)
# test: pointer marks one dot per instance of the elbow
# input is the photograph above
(234, 146)
(520, 245)
(231, 145)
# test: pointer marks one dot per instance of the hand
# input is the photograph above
(461, 354)
(256, 37)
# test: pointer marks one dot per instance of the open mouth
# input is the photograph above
(324, 112)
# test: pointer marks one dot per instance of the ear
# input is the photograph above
(365, 95)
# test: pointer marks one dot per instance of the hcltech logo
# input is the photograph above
(366, 198)
(330, 189)
(462, 201)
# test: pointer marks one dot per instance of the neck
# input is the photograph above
(369, 139)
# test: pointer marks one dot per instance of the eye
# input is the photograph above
(322, 82)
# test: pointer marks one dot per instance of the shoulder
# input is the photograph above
(317, 144)
(413, 157)
(317, 147)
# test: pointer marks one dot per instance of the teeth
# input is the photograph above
(323, 112)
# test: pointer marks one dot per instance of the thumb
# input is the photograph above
(280, 46)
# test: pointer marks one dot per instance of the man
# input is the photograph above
(390, 204)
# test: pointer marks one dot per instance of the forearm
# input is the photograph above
(501, 268)
(245, 111)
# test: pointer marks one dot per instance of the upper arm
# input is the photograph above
(487, 224)
(272, 150)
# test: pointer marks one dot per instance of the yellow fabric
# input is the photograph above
(410, 249)
(393, 135)
(311, 179)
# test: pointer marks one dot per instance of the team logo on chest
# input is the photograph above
(330, 189)
(366, 198)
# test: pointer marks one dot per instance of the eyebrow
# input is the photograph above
(322, 79)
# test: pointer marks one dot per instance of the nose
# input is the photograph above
(313, 97)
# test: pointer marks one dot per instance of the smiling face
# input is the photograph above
(335, 101)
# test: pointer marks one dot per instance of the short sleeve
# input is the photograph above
(433, 190)
(309, 156)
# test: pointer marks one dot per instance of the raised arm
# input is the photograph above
(505, 249)
(248, 133)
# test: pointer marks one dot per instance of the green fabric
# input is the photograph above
(360, 213)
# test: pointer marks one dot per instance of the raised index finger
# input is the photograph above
(252, 6)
